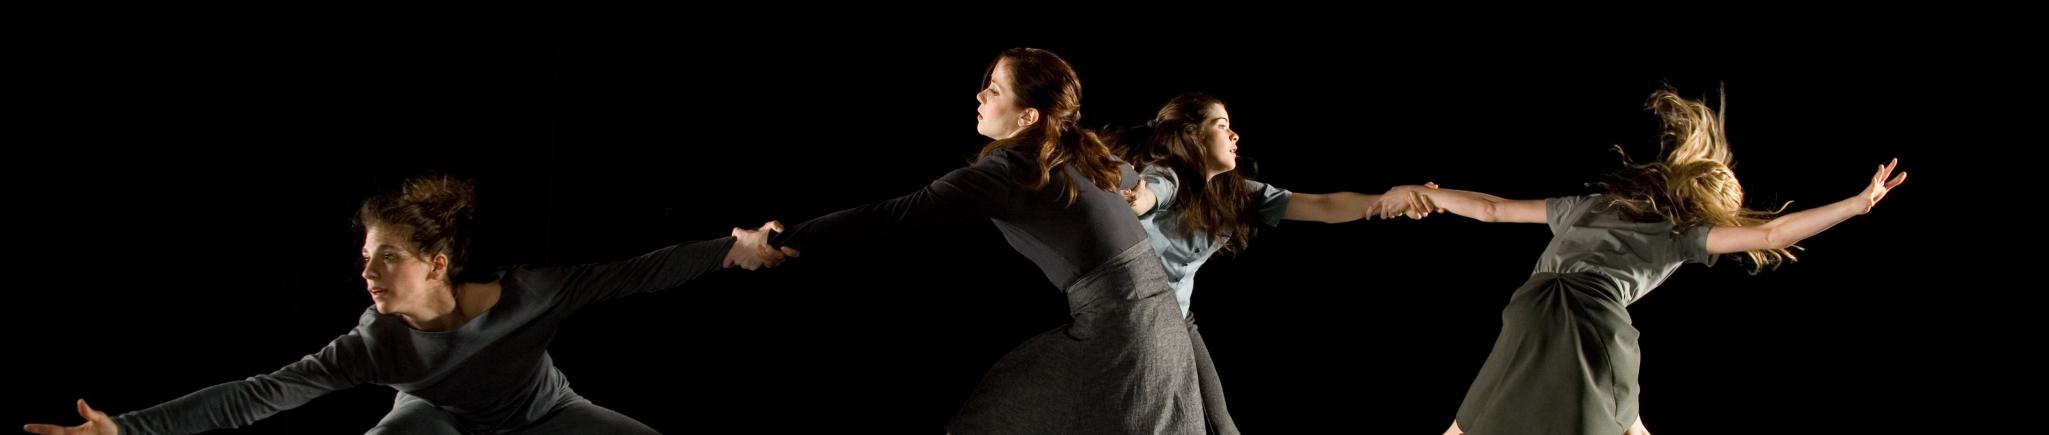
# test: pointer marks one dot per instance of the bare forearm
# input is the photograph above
(1794, 227)
(1476, 205)
(1330, 207)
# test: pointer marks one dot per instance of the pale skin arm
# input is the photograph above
(1321, 207)
(1791, 228)
(1349, 206)
(1483, 207)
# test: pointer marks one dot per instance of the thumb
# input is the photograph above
(93, 415)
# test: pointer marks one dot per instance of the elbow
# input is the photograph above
(1487, 213)
(1775, 239)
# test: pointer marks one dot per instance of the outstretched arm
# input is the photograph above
(1484, 207)
(345, 362)
(1350, 206)
(1793, 227)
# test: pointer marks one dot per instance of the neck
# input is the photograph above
(1211, 174)
(442, 312)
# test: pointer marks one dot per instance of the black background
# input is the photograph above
(182, 217)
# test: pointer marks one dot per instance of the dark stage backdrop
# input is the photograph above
(185, 221)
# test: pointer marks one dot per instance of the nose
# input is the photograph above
(368, 273)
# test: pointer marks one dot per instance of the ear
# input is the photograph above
(440, 269)
(1029, 117)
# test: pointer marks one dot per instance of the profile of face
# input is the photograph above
(1000, 115)
(1219, 142)
(399, 281)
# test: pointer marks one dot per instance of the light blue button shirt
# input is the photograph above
(1182, 249)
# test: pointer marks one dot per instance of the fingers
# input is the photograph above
(768, 256)
(43, 429)
(752, 250)
(1885, 171)
(1131, 195)
(763, 254)
(93, 415)
(1425, 205)
(1896, 180)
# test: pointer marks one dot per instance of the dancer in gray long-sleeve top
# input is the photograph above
(467, 349)
(1123, 365)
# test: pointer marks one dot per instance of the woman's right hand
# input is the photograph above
(1139, 197)
(751, 250)
(96, 423)
(1880, 186)
(1407, 201)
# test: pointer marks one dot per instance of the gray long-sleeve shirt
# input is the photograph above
(1064, 240)
(493, 372)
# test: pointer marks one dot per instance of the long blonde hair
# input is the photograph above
(1693, 185)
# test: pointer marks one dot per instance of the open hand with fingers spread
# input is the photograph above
(96, 423)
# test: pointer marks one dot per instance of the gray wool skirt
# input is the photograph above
(1123, 365)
